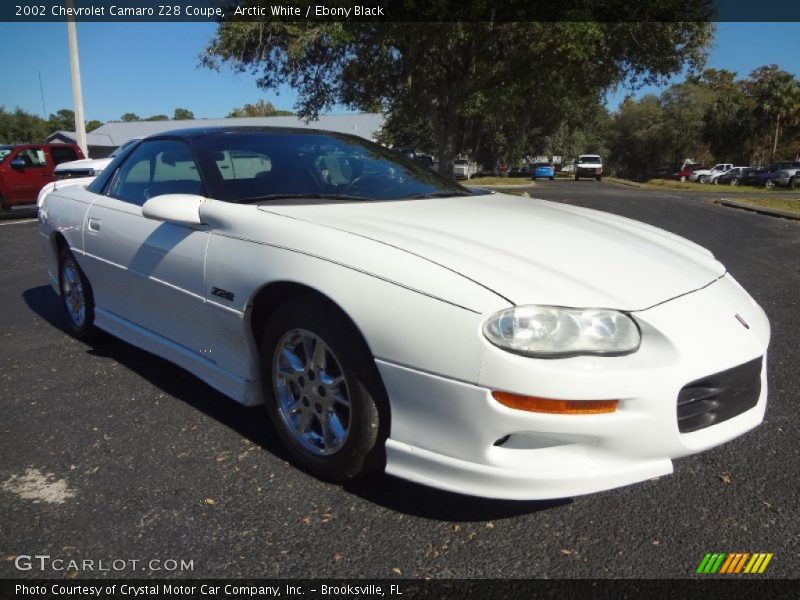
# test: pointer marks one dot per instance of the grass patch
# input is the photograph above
(709, 188)
(524, 180)
(791, 205)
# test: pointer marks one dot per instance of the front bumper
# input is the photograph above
(453, 435)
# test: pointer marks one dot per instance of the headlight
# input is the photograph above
(552, 331)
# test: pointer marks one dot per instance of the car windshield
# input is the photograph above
(119, 149)
(460, 161)
(542, 165)
(261, 166)
(589, 159)
(5, 151)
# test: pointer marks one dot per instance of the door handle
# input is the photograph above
(94, 224)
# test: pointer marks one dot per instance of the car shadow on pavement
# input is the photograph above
(252, 422)
(430, 503)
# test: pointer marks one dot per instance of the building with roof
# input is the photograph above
(105, 138)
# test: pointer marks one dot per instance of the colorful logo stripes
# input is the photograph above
(729, 563)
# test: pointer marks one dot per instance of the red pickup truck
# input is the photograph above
(27, 168)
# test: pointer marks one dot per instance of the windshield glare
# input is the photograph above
(5, 151)
(261, 166)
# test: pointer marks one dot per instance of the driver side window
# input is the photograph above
(156, 168)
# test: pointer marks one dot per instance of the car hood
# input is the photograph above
(97, 164)
(529, 250)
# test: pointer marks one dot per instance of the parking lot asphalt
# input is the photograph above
(110, 453)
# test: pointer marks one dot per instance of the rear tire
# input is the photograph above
(599, 178)
(735, 181)
(323, 392)
(769, 184)
(683, 178)
(794, 183)
(701, 179)
(552, 178)
(77, 299)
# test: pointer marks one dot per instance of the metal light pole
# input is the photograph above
(77, 92)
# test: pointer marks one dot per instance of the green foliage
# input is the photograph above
(93, 124)
(712, 117)
(259, 109)
(157, 118)
(130, 117)
(183, 114)
(21, 127)
(63, 120)
(481, 87)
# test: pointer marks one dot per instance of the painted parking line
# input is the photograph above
(19, 222)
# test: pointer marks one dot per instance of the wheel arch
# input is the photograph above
(269, 297)
(266, 300)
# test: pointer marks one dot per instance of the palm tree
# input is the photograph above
(779, 98)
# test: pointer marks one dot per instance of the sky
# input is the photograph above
(154, 68)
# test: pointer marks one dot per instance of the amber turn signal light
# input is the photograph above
(557, 407)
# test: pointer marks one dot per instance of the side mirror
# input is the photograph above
(175, 208)
(17, 163)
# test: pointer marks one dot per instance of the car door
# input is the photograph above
(25, 181)
(149, 273)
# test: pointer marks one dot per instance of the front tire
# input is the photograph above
(794, 183)
(323, 393)
(77, 298)
(701, 179)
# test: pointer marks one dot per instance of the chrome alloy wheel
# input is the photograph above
(311, 392)
(72, 291)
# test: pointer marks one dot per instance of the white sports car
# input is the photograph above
(482, 343)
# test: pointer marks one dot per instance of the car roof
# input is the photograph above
(200, 132)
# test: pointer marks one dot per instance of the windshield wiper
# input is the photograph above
(438, 195)
(271, 197)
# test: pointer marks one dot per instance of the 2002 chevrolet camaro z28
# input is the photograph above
(482, 343)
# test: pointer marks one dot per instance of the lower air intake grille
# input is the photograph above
(719, 397)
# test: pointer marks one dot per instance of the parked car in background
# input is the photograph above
(394, 320)
(89, 167)
(567, 168)
(734, 173)
(589, 165)
(705, 175)
(752, 175)
(407, 152)
(426, 160)
(80, 172)
(787, 174)
(27, 168)
(685, 172)
(463, 168)
(544, 170)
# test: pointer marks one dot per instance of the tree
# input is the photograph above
(157, 118)
(451, 74)
(93, 124)
(259, 109)
(63, 120)
(183, 114)
(637, 137)
(130, 117)
(778, 98)
(21, 127)
(685, 105)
